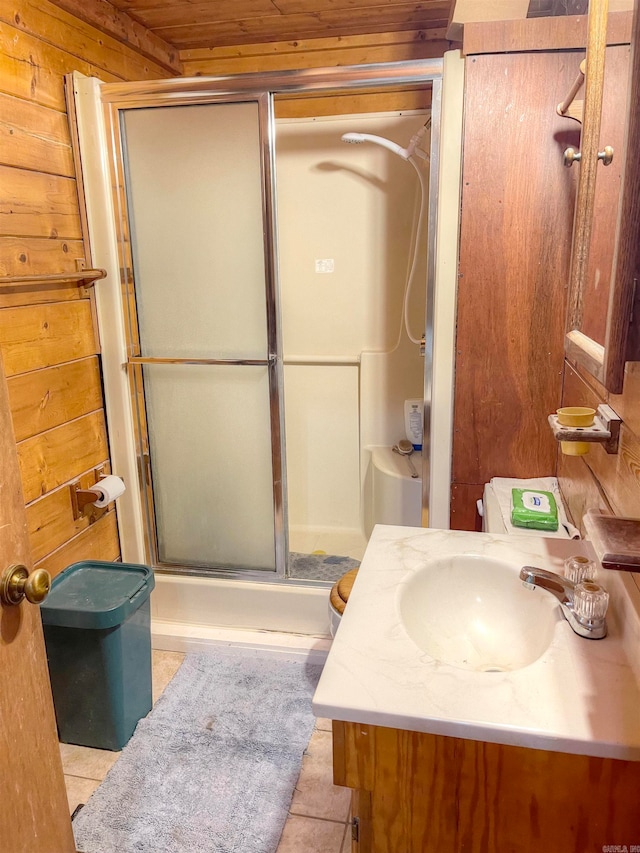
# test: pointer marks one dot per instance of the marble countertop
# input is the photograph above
(581, 696)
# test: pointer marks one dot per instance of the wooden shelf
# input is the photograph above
(84, 277)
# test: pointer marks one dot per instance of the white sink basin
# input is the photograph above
(473, 612)
(432, 609)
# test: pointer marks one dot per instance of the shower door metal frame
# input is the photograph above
(263, 89)
(135, 361)
(430, 300)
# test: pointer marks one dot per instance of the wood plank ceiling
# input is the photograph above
(215, 23)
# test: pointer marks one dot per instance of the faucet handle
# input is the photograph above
(590, 602)
(579, 568)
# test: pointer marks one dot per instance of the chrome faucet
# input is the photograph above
(585, 612)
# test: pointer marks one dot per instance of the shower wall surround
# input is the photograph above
(352, 210)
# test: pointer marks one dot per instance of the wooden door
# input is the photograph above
(35, 814)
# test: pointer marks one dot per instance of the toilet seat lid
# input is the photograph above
(342, 589)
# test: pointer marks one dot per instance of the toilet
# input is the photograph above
(338, 598)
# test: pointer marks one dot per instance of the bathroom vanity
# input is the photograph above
(491, 725)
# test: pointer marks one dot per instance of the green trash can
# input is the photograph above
(98, 636)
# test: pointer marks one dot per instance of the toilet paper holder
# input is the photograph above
(81, 498)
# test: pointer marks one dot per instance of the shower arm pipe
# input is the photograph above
(414, 143)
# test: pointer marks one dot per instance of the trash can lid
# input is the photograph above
(94, 594)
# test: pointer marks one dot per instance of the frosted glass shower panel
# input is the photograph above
(210, 448)
(194, 191)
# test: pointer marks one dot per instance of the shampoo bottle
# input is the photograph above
(413, 422)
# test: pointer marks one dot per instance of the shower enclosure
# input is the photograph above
(192, 165)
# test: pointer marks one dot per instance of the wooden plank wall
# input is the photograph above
(315, 53)
(323, 53)
(515, 248)
(47, 334)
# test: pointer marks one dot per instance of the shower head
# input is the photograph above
(357, 138)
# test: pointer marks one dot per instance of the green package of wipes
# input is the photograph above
(531, 508)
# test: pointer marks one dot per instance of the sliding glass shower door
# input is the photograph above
(191, 169)
(205, 355)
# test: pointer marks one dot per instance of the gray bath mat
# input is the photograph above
(319, 567)
(214, 765)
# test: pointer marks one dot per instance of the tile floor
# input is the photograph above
(317, 821)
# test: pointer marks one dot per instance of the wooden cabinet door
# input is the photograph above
(35, 814)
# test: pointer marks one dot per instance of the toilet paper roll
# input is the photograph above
(108, 489)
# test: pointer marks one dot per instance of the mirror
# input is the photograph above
(602, 272)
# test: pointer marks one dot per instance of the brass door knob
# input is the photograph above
(16, 583)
